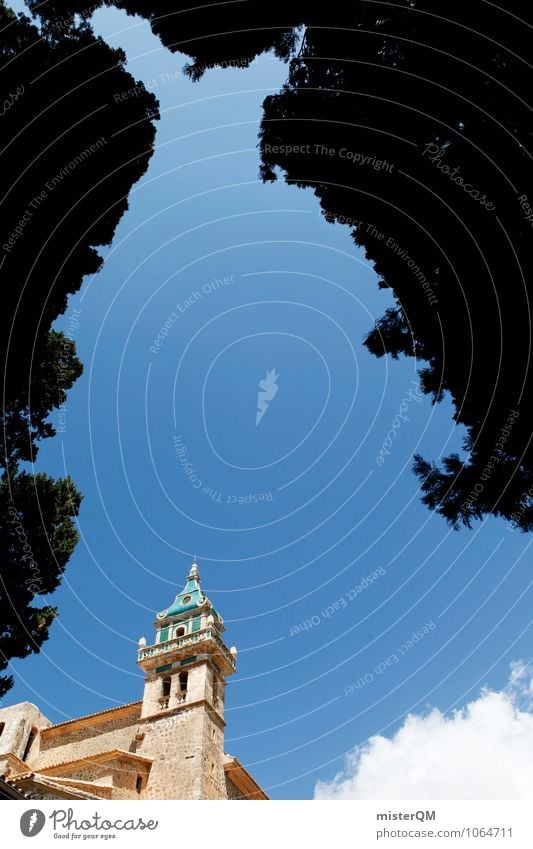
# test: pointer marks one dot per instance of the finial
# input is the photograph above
(194, 573)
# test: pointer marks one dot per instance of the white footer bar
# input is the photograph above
(284, 825)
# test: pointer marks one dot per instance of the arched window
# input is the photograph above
(165, 693)
(218, 692)
(180, 632)
(183, 679)
(31, 738)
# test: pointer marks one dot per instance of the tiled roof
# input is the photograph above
(89, 716)
(30, 778)
(242, 779)
(98, 757)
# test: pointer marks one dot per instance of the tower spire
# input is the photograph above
(185, 670)
(194, 574)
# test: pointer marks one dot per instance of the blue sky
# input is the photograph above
(289, 515)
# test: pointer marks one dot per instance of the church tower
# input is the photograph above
(182, 715)
(168, 745)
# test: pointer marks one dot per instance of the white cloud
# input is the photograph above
(484, 751)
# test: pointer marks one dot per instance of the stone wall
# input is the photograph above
(39, 794)
(214, 780)
(187, 749)
(116, 773)
(182, 735)
(232, 792)
(185, 745)
(18, 722)
(200, 686)
(115, 731)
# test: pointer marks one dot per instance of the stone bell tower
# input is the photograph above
(169, 745)
(182, 724)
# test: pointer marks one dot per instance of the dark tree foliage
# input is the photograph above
(411, 122)
(71, 153)
(416, 124)
(54, 368)
(73, 144)
(228, 34)
(37, 537)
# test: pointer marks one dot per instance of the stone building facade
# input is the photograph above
(168, 745)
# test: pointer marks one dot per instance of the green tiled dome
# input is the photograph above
(188, 599)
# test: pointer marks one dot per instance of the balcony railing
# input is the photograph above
(185, 642)
(164, 701)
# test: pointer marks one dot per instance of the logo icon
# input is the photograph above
(32, 822)
(268, 388)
